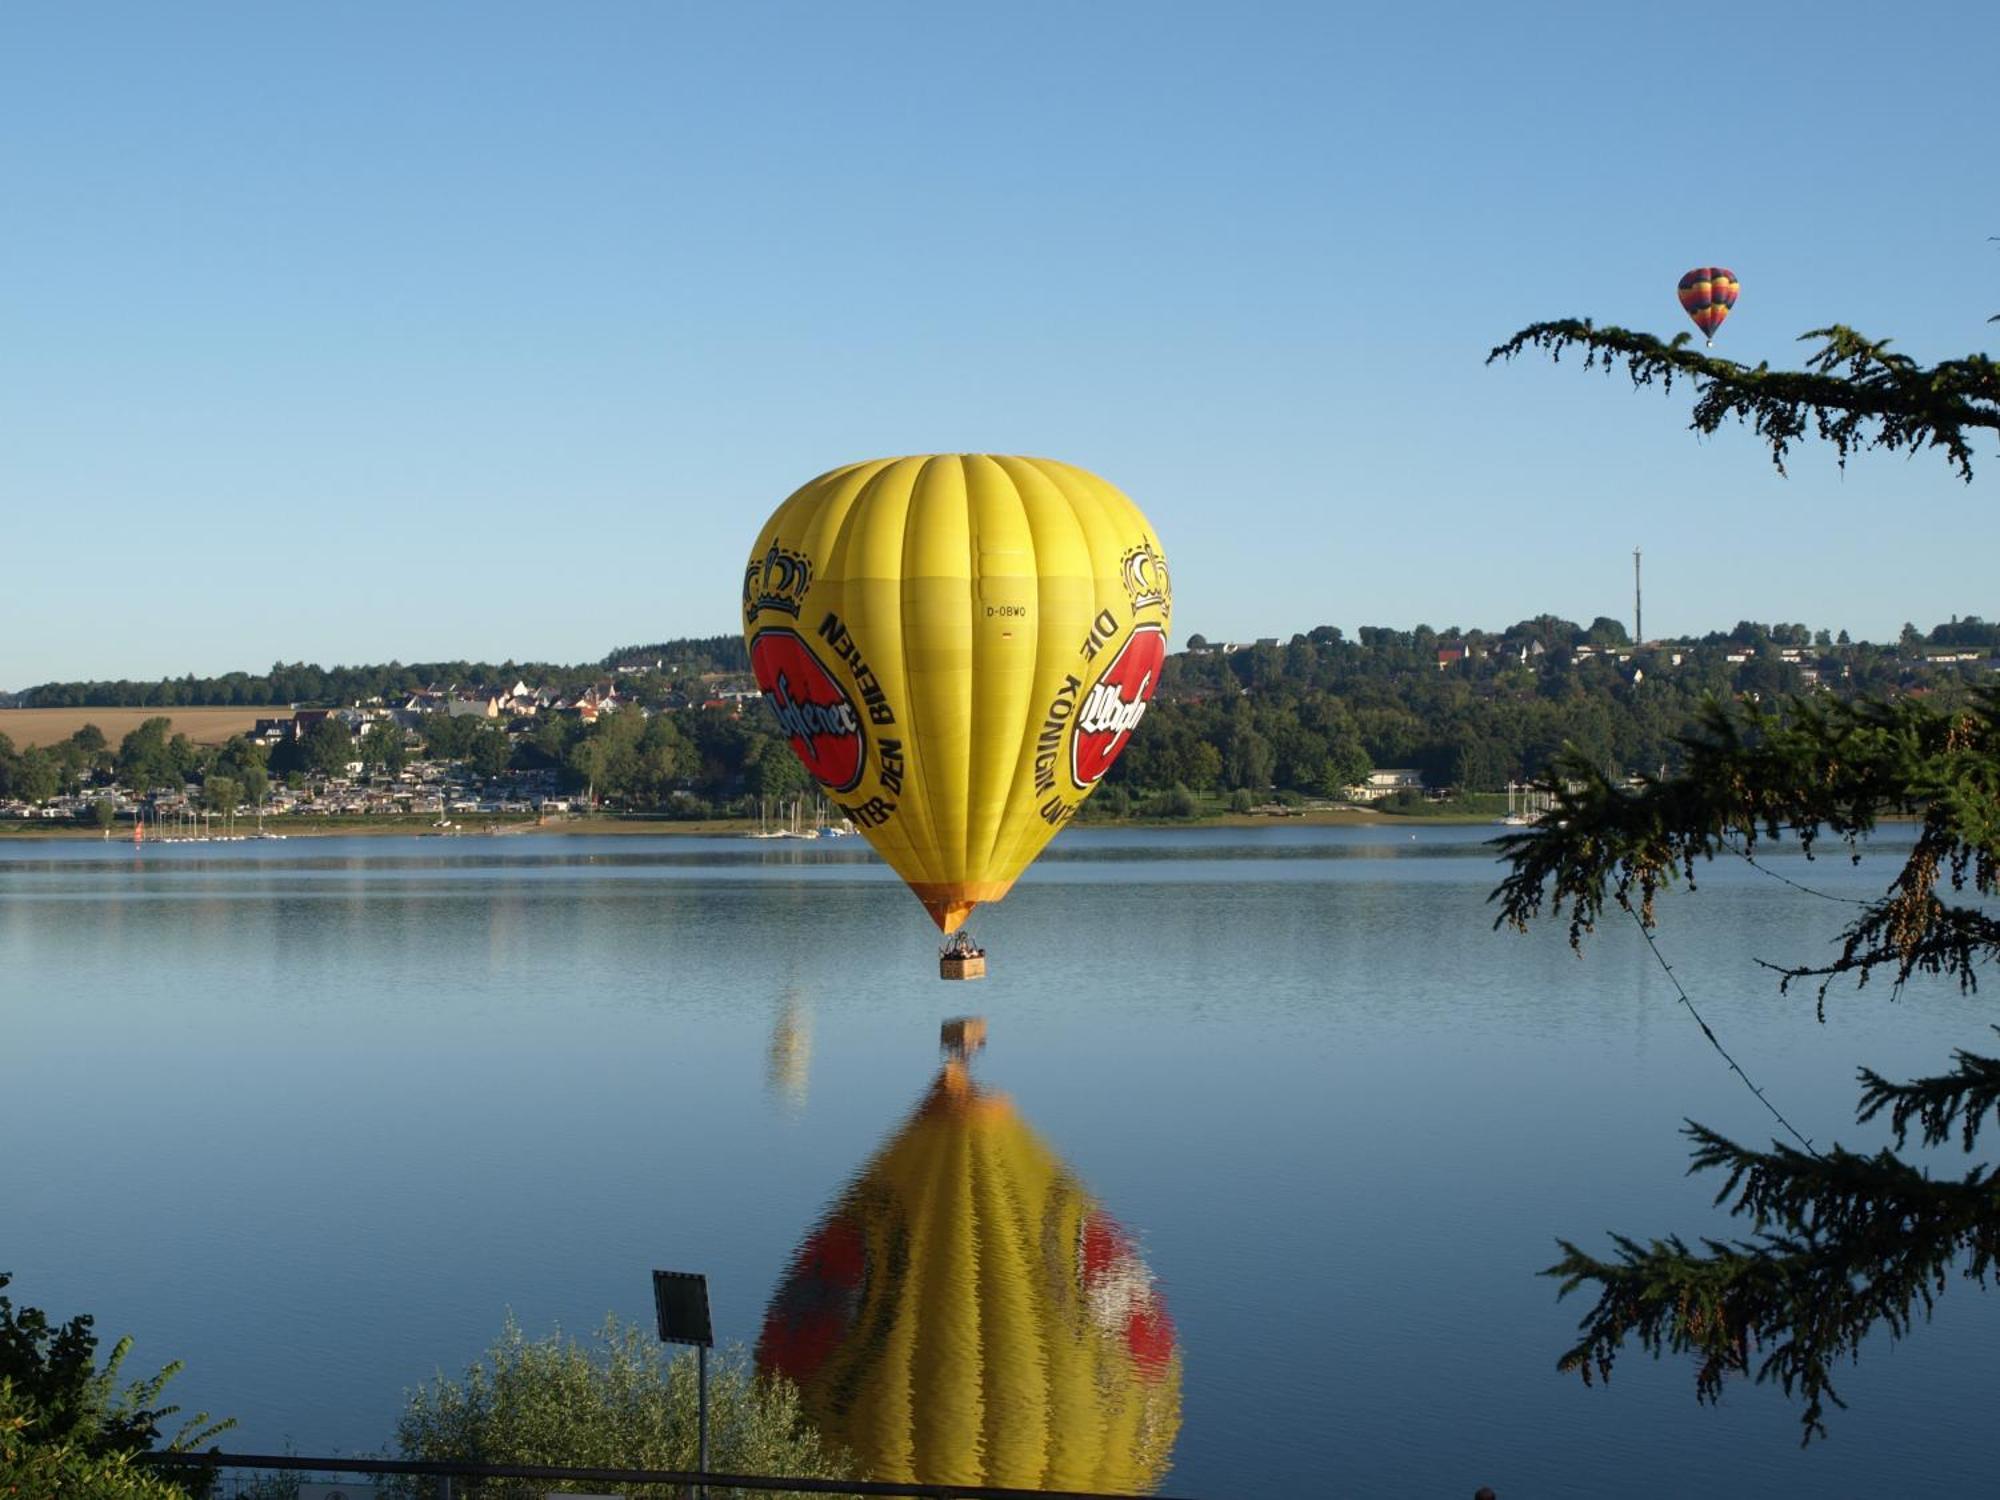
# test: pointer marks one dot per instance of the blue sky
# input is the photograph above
(344, 333)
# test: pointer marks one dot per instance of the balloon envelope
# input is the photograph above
(957, 647)
(968, 1314)
(1707, 294)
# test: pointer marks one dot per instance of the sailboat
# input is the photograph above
(797, 829)
(1524, 815)
(763, 830)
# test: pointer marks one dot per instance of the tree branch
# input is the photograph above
(1818, 770)
(1960, 1098)
(1853, 393)
(1866, 1242)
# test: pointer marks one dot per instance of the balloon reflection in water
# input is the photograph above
(968, 1314)
(788, 1058)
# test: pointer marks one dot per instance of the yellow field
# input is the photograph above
(205, 726)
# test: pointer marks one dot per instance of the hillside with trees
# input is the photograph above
(1470, 710)
(1477, 710)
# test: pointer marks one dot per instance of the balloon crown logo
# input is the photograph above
(1145, 573)
(777, 580)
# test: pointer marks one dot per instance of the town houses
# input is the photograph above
(398, 758)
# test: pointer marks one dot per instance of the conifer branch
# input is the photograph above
(1863, 1242)
(1842, 1244)
(1815, 771)
(1854, 393)
(1961, 1099)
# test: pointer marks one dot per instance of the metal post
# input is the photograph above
(1638, 614)
(444, 1487)
(701, 1400)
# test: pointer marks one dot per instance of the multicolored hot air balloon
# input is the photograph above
(1707, 294)
(968, 1314)
(957, 646)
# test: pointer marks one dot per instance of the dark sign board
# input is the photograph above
(681, 1299)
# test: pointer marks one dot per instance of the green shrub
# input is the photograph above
(64, 1469)
(619, 1403)
(65, 1423)
(1105, 804)
(1176, 802)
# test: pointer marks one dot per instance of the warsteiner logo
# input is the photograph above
(1116, 704)
(812, 709)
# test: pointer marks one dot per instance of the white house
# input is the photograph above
(1387, 783)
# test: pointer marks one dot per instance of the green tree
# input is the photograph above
(245, 762)
(774, 772)
(329, 747)
(620, 1402)
(256, 782)
(147, 758)
(36, 777)
(491, 750)
(1843, 1243)
(105, 812)
(1201, 767)
(617, 737)
(666, 761)
(1249, 760)
(586, 762)
(221, 794)
(385, 746)
(449, 738)
(554, 735)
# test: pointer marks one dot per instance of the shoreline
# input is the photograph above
(422, 825)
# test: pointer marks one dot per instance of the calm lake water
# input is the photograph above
(315, 1115)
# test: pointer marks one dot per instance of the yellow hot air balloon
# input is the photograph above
(957, 647)
(968, 1314)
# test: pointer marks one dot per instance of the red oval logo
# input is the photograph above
(813, 710)
(1116, 704)
(815, 1308)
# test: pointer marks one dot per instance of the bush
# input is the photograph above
(621, 1403)
(1176, 802)
(1105, 804)
(65, 1425)
(63, 1469)
(1240, 800)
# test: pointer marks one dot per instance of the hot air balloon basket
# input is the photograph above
(962, 966)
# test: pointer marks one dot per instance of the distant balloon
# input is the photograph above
(1707, 294)
(957, 647)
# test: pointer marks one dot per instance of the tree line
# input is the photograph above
(655, 670)
(1316, 714)
(1308, 718)
(308, 685)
